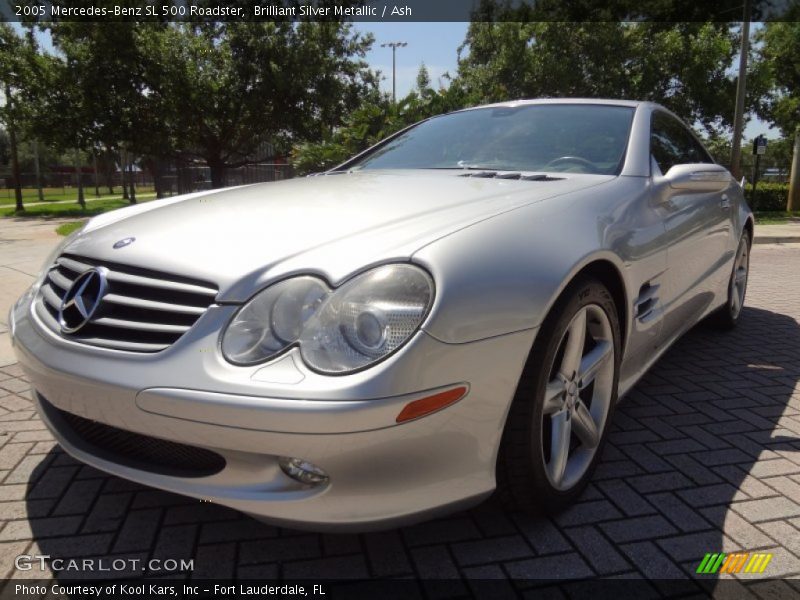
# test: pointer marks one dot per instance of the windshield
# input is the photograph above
(577, 138)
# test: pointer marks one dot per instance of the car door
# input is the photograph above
(698, 228)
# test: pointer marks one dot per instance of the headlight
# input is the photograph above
(337, 330)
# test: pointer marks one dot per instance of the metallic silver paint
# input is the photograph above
(500, 253)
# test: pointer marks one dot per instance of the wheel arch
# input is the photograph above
(749, 227)
(607, 273)
(605, 269)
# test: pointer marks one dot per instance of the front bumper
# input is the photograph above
(380, 473)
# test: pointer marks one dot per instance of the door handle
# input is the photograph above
(725, 203)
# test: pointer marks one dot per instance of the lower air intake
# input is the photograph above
(138, 451)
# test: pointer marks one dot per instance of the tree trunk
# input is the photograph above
(96, 180)
(157, 183)
(12, 141)
(217, 168)
(37, 170)
(132, 182)
(183, 187)
(123, 158)
(793, 201)
(79, 179)
(109, 171)
(154, 166)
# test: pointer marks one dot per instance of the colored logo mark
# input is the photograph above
(738, 562)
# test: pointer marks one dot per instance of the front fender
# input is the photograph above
(504, 274)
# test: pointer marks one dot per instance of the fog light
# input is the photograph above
(302, 470)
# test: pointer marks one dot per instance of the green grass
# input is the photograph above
(776, 217)
(50, 210)
(66, 228)
(31, 195)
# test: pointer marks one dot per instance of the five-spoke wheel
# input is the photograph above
(727, 315)
(559, 416)
(577, 397)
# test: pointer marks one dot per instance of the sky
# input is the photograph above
(436, 44)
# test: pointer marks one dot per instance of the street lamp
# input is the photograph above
(741, 87)
(394, 46)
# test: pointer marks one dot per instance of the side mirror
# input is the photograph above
(698, 177)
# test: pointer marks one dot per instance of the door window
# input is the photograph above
(671, 143)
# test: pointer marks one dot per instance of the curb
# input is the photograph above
(777, 239)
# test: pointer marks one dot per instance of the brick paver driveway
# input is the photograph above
(703, 457)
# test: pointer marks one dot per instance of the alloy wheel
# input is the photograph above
(578, 397)
(738, 285)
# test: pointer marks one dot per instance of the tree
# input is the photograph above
(250, 83)
(15, 60)
(681, 65)
(780, 58)
(374, 120)
(423, 79)
(778, 154)
(65, 113)
(111, 76)
(213, 92)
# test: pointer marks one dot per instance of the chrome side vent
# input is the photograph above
(141, 311)
(646, 302)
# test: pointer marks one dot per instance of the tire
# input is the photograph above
(528, 476)
(727, 316)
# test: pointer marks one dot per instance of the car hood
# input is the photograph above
(332, 225)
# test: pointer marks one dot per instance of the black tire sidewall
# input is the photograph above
(528, 402)
(746, 238)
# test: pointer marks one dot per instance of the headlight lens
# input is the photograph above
(272, 320)
(338, 330)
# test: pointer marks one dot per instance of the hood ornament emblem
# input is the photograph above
(124, 242)
(82, 300)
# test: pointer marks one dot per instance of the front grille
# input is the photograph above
(138, 451)
(141, 311)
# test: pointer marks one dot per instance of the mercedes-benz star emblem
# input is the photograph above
(124, 242)
(82, 300)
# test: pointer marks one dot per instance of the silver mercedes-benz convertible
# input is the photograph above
(453, 311)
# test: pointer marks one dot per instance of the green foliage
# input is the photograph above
(769, 197)
(372, 122)
(423, 79)
(210, 91)
(780, 57)
(17, 61)
(48, 155)
(219, 93)
(681, 65)
(777, 156)
(251, 83)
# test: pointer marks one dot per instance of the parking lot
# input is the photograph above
(703, 457)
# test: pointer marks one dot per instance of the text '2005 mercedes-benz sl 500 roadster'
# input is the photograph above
(453, 311)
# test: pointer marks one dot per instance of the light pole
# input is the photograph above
(741, 86)
(394, 46)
